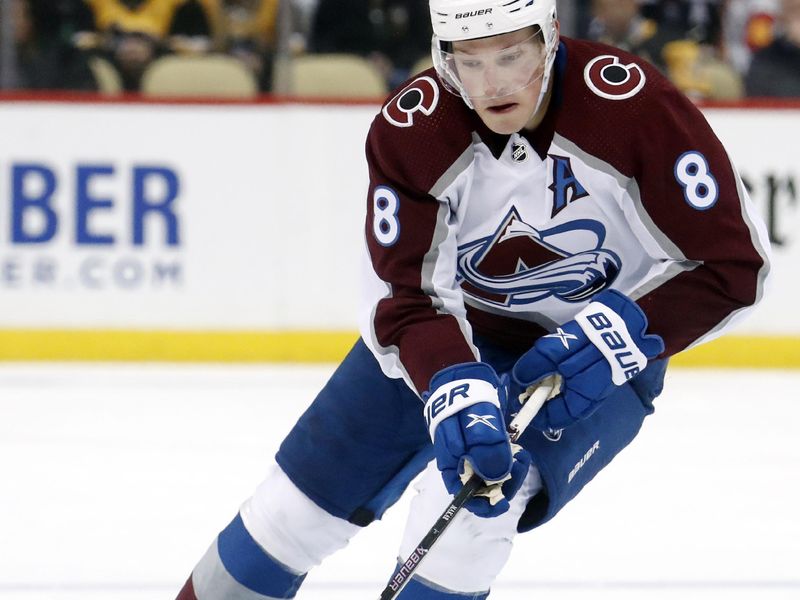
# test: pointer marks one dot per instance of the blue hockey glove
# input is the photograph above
(605, 346)
(464, 413)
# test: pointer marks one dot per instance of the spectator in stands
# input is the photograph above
(248, 32)
(46, 58)
(748, 27)
(692, 64)
(699, 20)
(696, 20)
(136, 32)
(775, 70)
(619, 23)
(393, 34)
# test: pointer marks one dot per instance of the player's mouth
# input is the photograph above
(500, 109)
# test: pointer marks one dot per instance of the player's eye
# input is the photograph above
(509, 58)
(469, 63)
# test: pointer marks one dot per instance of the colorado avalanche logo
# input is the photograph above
(607, 77)
(517, 264)
(421, 95)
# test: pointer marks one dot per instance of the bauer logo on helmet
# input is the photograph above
(474, 13)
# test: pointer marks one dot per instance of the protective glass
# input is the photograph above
(493, 74)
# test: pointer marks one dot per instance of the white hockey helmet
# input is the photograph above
(458, 20)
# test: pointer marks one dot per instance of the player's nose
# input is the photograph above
(492, 83)
(489, 80)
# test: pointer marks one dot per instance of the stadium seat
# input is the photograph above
(423, 64)
(106, 75)
(334, 76)
(214, 75)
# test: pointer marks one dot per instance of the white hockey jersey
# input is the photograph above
(623, 185)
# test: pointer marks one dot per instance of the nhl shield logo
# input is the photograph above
(519, 152)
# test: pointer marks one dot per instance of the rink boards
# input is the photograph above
(233, 232)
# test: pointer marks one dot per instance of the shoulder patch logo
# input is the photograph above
(421, 95)
(607, 77)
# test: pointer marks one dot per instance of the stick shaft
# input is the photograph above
(531, 407)
(520, 422)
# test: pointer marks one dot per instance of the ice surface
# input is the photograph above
(115, 478)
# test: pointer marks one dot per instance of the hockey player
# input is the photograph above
(536, 205)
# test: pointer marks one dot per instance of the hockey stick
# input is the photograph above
(548, 388)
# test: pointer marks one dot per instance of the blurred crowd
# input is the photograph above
(711, 49)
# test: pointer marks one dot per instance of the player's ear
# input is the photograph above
(558, 31)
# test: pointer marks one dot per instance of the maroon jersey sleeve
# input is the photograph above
(689, 197)
(694, 196)
(408, 152)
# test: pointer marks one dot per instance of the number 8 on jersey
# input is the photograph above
(385, 226)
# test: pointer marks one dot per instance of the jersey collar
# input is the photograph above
(540, 138)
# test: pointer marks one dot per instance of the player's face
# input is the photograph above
(502, 76)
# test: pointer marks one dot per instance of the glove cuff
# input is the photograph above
(609, 334)
(458, 387)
